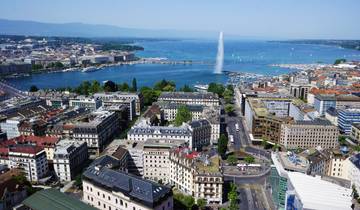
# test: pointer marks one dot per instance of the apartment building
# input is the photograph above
(90, 103)
(309, 134)
(135, 161)
(156, 158)
(212, 114)
(120, 97)
(346, 118)
(199, 98)
(355, 131)
(97, 129)
(170, 110)
(201, 134)
(196, 174)
(69, 156)
(108, 189)
(30, 159)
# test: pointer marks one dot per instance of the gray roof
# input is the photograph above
(325, 97)
(313, 122)
(332, 111)
(141, 190)
(199, 123)
(160, 129)
(105, 160)
(188, 95)
(191, 107)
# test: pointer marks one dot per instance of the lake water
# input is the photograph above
(241, 56)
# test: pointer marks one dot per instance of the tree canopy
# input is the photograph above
(110, 86)
(165, 85)
(33, 88)
(222, 145)
(183, 115)
(216, 88)
(232, 160)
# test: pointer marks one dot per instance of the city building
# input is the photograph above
(323, 102)
(265, 116)
(201, 134)
(309, 134)
(300, 90)
(69, 157)
(53, 199)
(142, 132)
(332, 115)
(212, 114)
(135, 160)
(97, 130)
(30, 159)
(170, 110)
(12, 192)
(108, 189)
(353, 171)
(121, 97)
(85, 102)
(308, 192)
(206, 99)
(197, 175)
(355, 131)
(346, 118)
(156, 159)
(11, 127)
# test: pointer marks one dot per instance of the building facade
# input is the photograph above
(69, 156)
(309, 134)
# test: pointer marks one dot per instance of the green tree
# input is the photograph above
(339, 61)
(188, 201)
(149, 95)
(249, 159)
(229, 109)
(222, 145)
(33, 88)
(264, 143)
(216, 88)
(110, 86)
(58, 65)
(232, 160)
(83, 88)
(95, 87)
(276, 147)
(165, 85)
(186, 88)
(342, 140)
(134, 85)
(183, 115)
(36, 67)
(123, 87)
(232, 196)
(201, 203)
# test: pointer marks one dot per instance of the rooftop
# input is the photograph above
(319, 194)
(55, 200)
(314, 122)
(144, 191)
(292, 162)
(188, 95)
(159, 130)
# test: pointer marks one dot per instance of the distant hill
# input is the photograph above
(33, 28)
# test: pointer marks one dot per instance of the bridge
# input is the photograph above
(11, 90)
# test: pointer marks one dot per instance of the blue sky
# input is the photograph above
(258, 18)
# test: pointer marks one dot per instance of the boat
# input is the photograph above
(89, 69)
(200, 87)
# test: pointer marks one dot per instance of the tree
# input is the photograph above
(36, 67)
(342, 140)
(165, 85)
(33, 88)
(229, 108)
(276, 147)
(83, 88)
(232, 160)
(134, 85)
(216, 88)
(222, 145)
(232, 196)
(183, 115)
(188, 201)
(58, 65)
(249, 159)
(186, 88)
(110, 86)
(339, 61)
(149, 95)
(123, 87)
(95, 87)
(264, 143)
(201, 203)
